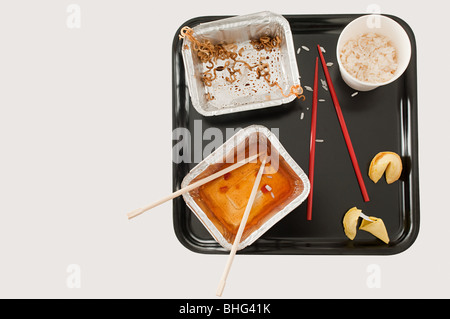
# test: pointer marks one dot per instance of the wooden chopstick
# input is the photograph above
(344, 128)
(237, 239)
(312, 143)
(188, 188)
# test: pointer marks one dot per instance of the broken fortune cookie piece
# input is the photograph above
(351, 222)
(388, 162)
(376, 228)
(373, 225)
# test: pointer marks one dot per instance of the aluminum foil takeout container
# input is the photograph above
(248, 92)
(231, 149)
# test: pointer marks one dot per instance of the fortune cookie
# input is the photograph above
(388, 162)
(376, 228)
(351, 222)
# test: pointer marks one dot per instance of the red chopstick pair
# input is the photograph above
(344, 130)
(312, 143)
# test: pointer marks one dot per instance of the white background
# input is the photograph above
(85, 137)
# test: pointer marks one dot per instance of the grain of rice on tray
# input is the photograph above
(370, 58)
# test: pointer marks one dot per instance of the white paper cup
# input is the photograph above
(381, 25)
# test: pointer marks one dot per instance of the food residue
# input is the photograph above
(234, 63)
(224, 200)
(264, 189)
(370, 58)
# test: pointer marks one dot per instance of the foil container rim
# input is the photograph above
(240, 21)
(218, 155)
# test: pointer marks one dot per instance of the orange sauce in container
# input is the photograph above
(224, 199)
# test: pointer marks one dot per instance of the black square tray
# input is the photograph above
(380, 120)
